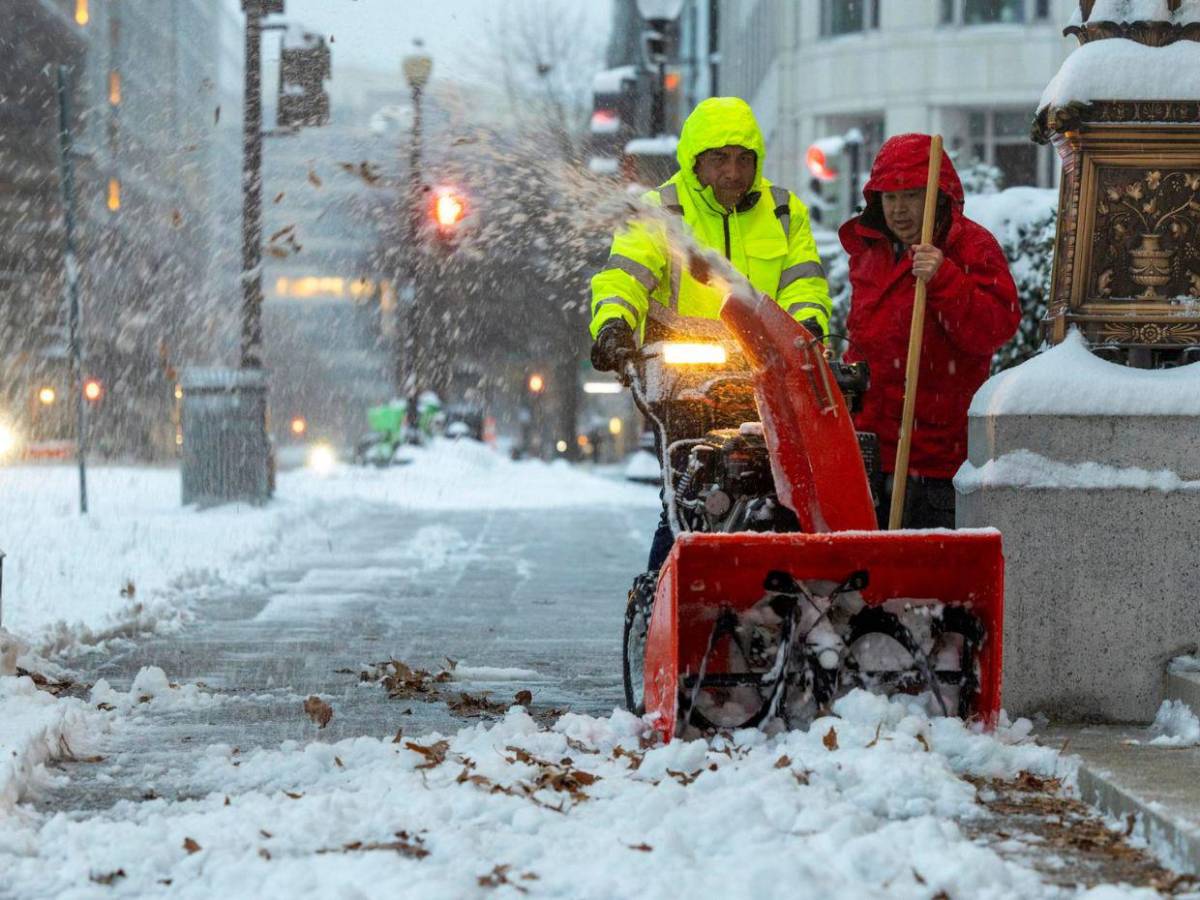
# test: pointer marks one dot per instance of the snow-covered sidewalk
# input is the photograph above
(866, 803)
(139, 561)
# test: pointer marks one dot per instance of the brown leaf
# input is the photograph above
(644, 848)
(293, 795)
(128, 589)
(476, 705)
(265, 833)
(226, 803)
(264, 852)
(190, 846)
(783, 762)
(314, 179)
(399, 735)
(277, 252)
(434, 755)
(338, 762)
(684, 778)
(875, 740)
(318, 710)
(498, 877)
(282, 232)
(830, 739)
(924, 743)
(279, 196)
(523, 698)
(105, 707)
(176, 218)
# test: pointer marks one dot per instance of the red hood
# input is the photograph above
(903, 165)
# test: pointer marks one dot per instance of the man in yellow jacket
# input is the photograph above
(719, 191)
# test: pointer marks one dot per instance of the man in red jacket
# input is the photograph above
(971, 311)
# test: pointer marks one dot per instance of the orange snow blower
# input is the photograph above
(748, 629)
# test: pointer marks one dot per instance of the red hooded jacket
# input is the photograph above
(971, 311)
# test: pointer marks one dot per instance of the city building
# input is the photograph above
(144, 88)
(972, 70)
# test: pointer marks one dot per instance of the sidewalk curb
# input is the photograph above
(1173, 841)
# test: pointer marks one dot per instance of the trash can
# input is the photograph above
(226, 452)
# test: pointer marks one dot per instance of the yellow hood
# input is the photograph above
(719, 122)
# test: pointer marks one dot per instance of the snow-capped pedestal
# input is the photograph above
(1124, 114)
(1092, 473)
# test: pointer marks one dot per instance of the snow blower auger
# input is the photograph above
(767, 629)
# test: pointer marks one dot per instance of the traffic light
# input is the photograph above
(302, 73)
(448, 209)
(93, 390)
(537, 383)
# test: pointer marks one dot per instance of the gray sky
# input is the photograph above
(376, 34)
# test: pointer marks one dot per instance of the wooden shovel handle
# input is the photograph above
(915, 334)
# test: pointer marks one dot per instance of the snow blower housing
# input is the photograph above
(750, 628)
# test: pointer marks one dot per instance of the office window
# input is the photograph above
(848, 16)
(1000, 138)
(993, 12)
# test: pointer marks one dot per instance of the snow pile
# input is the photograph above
(1026, 469)
(465, 475)
(1121, 69)
(1176, 725)
(1068, 380)
(123, 568)
(35, 728)
(1139, 11)
(151, 689)
(862, 804)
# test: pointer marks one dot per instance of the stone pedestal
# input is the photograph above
(1100, 514)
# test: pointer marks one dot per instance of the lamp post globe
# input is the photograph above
(417, 69)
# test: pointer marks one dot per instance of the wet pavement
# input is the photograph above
(539, 590)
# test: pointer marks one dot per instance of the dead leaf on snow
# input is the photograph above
(783, 762)
(293, 795)
(264, 852)
(523, 698)
(128, 590)
(498, 877)
(318, 710)
(107, 877)
(924, 743)
(434, 754)
(314, 179)
(190, 846)
(875, 740)
(684, 778)
(830, 739)
(265, 833)
(644, 848)
(338, 762)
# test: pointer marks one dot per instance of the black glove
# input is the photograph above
(614, 344)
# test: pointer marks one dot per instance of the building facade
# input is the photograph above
(144, 81)
(972, 70)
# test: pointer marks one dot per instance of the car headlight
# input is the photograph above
(322, 459)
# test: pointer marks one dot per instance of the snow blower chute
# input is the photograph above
(750, 627)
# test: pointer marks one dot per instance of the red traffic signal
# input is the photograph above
(819, 165)
(449, 208)
(93, 390)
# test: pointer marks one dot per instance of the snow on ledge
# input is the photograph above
(1121, 69)
(1026, 469)
(1139, 10)
(1069, 380)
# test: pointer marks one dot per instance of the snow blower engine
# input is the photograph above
(780, 595)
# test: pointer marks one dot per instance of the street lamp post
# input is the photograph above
(659, 16)
(417, 69)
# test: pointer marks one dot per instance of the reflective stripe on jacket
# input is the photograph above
(767, 238)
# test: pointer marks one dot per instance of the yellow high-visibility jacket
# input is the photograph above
(767, 238)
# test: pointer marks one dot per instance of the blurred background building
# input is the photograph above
(147, 96)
